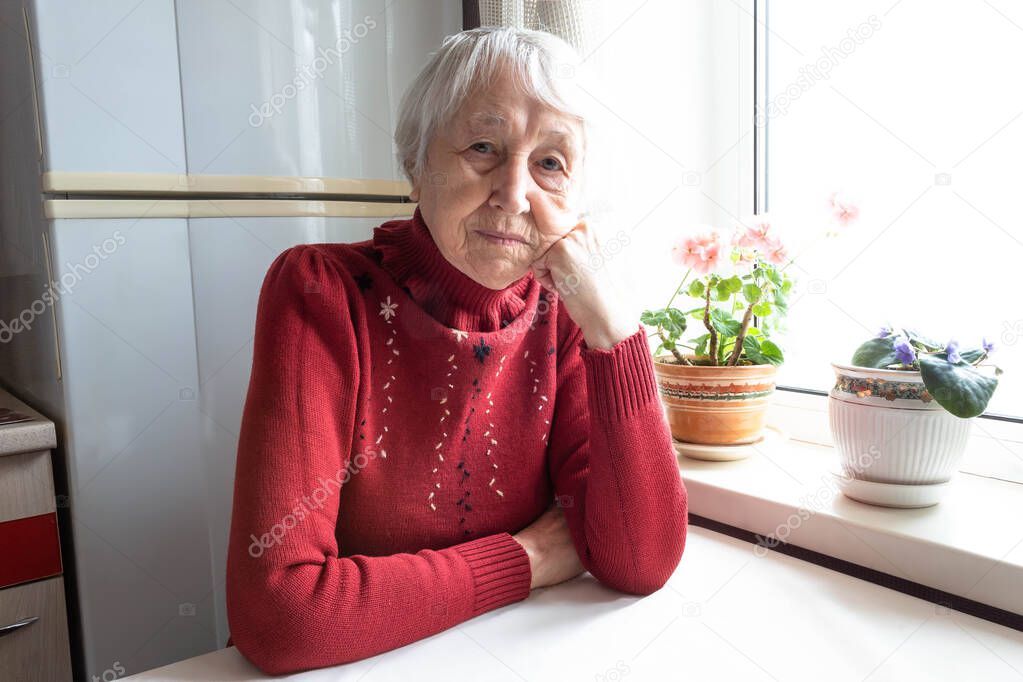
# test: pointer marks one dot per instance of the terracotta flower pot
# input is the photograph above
(715, 405)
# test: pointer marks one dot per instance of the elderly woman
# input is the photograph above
(432, 427)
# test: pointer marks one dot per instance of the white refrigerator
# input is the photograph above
(158, 154)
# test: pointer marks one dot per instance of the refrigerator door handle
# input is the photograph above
(53, 311)
(17, 625)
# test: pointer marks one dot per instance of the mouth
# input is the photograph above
(502, 238)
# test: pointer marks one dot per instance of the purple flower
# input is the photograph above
(988, 345)
(884, 331)
(952, 352)
(904, 352)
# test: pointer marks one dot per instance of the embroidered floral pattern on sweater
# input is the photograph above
(443, 448)
(388, 311)
(364, 281)
(541, 399)
(481, 350)
(463, 500)
(489, 440)
(443, 399)
(464, 469)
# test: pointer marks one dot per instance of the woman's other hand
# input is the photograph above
(552, 556)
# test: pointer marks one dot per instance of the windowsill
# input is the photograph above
(970, 544)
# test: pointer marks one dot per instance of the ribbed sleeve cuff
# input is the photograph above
(500, 570)
(620, 380)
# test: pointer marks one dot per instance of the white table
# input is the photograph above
(726, 614)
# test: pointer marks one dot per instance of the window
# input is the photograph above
(912, 108)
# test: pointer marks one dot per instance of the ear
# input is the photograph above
(414, 181)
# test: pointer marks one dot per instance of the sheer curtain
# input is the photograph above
(572, 20)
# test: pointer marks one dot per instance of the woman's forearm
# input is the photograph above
(619, 482)
(316, 610)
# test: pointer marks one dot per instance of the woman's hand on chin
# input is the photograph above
(574, 267)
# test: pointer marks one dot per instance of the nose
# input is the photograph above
(512, 184)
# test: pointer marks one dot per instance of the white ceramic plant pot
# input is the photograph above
(888, 429)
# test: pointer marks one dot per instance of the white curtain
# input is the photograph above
(574, 21)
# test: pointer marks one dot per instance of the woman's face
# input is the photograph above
(501, 183)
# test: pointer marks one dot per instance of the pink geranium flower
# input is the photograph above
(701, 252)
(844, 209)
(757, 234)
(774, 252)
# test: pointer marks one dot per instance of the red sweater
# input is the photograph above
(401, 422)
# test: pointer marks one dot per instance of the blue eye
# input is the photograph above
(475, 146)
(557, 164)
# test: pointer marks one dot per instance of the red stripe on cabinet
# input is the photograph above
(29, 549)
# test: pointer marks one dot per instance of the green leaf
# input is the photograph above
(671, 320)
(968, 356)
(772, 352)
(972, 355)
(751, 347)
(674, 322)
(653, 318)
(917, 338)
(762, 309)
(724, 323)
(772, 274)
(877, 353)
(701, 344)
(721, 291)
(957, 387)
(733, 283)
(781, 301)
(696, 288)
(762, 353)
(751, 292)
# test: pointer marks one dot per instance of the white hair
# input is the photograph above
(546, 68)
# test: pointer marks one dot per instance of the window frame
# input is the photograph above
(1006, 426)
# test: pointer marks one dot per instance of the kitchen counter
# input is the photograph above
(34, 643)
(22, 429)
(725, 614)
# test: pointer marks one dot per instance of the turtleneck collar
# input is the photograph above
(409, 254)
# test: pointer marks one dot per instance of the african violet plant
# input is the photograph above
(739, 276)
(949, 372)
